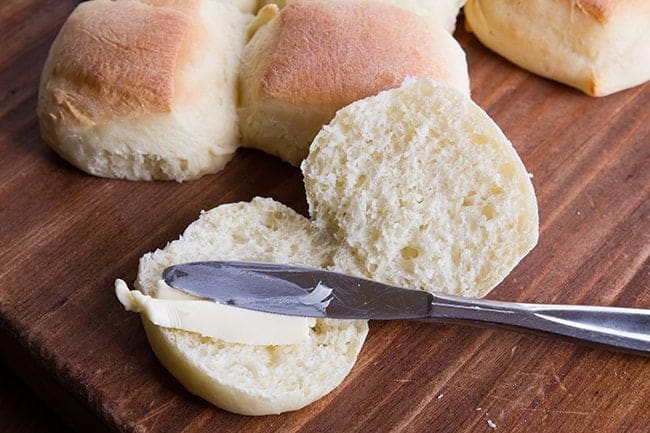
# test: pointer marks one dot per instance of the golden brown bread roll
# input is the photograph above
(597, 46)
(313, 57)
(144, 89)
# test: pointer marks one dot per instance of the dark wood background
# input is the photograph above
(21, 411)
(65, 237)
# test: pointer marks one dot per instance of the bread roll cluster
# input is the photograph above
(148, 89)
(169, 89)
(454, 212)
(409, 182)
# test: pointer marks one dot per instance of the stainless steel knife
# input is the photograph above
(303, 291)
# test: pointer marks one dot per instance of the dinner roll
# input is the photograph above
(422, 190)
(314, 57)
(144, 89)
(597, 46)
(247, 379)
(439, 13)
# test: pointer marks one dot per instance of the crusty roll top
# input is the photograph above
(314, 57)
(601, 10)
(338, 52)
(145, 89)
(116, 58)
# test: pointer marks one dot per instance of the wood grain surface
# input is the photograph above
(65, 236)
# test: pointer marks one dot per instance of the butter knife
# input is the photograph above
(303, 291)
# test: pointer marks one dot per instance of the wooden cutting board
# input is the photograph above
(65, 237)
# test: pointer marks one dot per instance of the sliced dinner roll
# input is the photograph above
(144, 89)
(597, 46)
(439, 13)
(246, 379)
(415, 187)
(313, 57)
(422, 190)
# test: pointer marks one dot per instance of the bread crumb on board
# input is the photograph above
(491, 424)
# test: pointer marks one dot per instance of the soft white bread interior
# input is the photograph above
(422, 190)
(438, 13)
(597, 46)
(144, 89)
(314, 57)
(246, 379)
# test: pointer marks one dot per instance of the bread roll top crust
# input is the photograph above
(334, 53)
(438, 13)
(601, 10)
(114, 58)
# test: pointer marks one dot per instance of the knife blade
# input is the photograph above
(297, 291)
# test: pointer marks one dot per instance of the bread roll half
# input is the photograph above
(144, 89)
(314, 57)
(597, 46)
(422, 190)
(246, 379)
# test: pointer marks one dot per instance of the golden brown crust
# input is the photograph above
(116, 58)
(372, 47)
(601, 10)
(181, 5)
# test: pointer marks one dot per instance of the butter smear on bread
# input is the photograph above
(214, 320)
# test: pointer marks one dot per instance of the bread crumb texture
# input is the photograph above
(253, 380)
(422, 190)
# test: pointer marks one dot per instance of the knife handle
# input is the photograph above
(623, 328)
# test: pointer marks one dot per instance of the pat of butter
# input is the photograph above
(214, 320)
